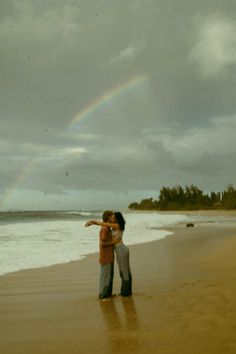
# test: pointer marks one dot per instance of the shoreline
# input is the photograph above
(216, 213)
(207, 212)
(92, 254)
(183, 301)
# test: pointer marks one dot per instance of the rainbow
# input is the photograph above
(107, 97)
(19, 178)
(93, 106)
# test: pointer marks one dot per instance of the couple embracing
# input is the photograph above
(110, 240)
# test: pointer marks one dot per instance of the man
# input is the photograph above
(106, 259)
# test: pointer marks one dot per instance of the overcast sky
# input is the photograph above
(174, 124)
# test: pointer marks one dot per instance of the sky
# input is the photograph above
(104, 102)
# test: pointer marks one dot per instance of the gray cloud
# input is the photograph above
(175, 127)
(215, 48)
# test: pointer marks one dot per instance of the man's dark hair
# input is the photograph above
(106, 215)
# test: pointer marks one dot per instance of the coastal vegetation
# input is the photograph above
(188, 198)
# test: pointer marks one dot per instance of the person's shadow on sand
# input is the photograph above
(130, 312)
(121, 320)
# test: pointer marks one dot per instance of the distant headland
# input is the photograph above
(188, 198)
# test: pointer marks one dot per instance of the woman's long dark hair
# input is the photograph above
(120, 220)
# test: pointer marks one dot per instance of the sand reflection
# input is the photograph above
(120, 317)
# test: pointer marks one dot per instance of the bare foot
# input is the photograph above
(106, 299)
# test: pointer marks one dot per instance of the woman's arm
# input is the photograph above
(109, 243)
(102, 223)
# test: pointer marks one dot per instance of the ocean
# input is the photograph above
(38, 239)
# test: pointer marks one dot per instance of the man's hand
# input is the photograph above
(88, 223)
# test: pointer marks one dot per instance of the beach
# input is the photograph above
(183, 300)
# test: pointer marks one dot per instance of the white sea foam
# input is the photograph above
(36, 244)
(82, 213)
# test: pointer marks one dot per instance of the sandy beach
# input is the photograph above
(183, 301)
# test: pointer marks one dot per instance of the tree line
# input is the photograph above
(188, 198)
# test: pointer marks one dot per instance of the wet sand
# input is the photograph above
(184, 301)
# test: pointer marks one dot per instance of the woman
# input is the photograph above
(117, 225)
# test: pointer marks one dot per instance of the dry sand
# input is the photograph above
(184, 301)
